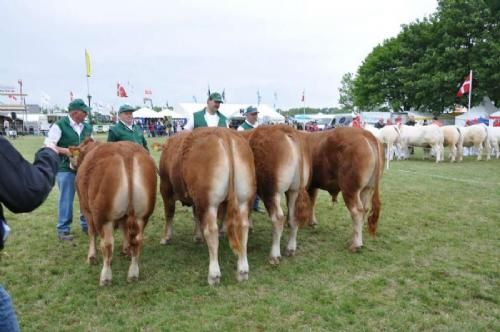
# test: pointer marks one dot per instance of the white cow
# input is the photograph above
(453, 138)
(390, 137)
(494, 140)
(476, 136)
(423, 136)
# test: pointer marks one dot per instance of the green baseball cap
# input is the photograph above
(251, 109)
(126, 108)
(215, 96)
(78, 105)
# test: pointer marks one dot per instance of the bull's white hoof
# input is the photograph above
(242, 276)
(165, 241)
(274, 260)
(290, 252)
(214, 280)
(355, 248)
(133, 273)
(92, 260)
(106, 277)
(105, 283)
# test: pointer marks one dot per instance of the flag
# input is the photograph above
(71, 96)
(303, 99)
(466, 85)
(87, 63)
(120, 91)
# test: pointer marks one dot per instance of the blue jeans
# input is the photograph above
(256, 203)
(8, 320)
(66, 184)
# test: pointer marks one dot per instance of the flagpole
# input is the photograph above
(470, 88)
(304, 101)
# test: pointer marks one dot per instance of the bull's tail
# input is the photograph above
(233, 218)
(303, 208)
(376, 204)
(131, 223)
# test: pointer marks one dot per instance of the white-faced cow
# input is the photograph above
(423, 136)
(475, 136)
(116, 185)
(211, 169)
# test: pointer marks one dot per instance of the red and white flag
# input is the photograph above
(466, 85)
(120, 91)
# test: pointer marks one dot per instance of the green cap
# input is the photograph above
(215, 96)
(126, 108)
(251, 109)
(78, 105)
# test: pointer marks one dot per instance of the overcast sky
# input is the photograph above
(176, 48)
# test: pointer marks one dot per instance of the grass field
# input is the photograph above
(433, 266)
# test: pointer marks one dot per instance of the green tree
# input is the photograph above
(346, 99)
(423, 66)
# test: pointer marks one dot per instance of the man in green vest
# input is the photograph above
(125, 129)
(209, 116)
(69, 131)
(251, 122)
(251, 119)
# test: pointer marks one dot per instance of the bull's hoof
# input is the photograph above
(290, 252)
(132, 278)
(214, 280)
(242, 276)
(105, 282)
(165, 241)
(274, 260)
(92, 260)
(355, 249)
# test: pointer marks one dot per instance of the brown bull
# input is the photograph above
(116, 185)
(282, 165)
(349, 160)
(212, 170)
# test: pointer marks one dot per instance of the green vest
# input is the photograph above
(120, 132)
(69, 137)
(199, 119)
(246, 126)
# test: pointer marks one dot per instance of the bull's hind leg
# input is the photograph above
(136, 240)
(91, 254)
(107, 243)
(169, 205)
(211, 233)
(243, 268)
(277, 219)
(313, 195)
(291, 197)
(356, 209)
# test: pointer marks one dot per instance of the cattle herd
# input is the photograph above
(398, 139)
(219, 172)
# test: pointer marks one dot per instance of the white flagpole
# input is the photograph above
(470, 87)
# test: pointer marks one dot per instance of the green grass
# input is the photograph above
(433, 266)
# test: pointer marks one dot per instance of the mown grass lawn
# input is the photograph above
(433, 266)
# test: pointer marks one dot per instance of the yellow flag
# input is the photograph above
(87, 63)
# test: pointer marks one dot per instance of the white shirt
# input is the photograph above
(128, 126)
(211, 119)
(240, 128)
(54, 134)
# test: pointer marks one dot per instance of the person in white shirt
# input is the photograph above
(69, 131)
(209, 116)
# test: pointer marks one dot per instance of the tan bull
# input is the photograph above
(211, 169)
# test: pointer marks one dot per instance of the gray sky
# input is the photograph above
(176, 48)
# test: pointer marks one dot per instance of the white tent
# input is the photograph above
(483, 110)
(174, 115)
(147, 113)
(266, 113)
